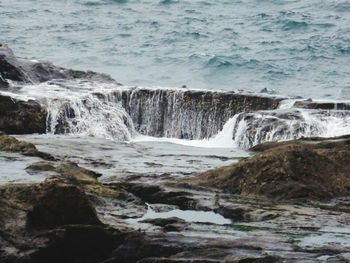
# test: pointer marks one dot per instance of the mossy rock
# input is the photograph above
(305, 170)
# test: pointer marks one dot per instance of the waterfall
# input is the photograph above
(187, 114)
(91, 115)
(199, 117)
(251, 129)
(82, 107)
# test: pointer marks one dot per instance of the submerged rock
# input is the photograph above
(300, 169)
(11, 144)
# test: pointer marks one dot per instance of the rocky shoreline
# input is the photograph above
(288, 202)
(66, 217)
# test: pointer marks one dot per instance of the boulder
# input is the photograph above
(21, 117)
(54, 221)
(77, 244)
(60, 204)
(311, 169)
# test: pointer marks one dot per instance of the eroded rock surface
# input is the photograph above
(301, 169)
(72, 217)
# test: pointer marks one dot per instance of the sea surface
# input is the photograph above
(290, 47)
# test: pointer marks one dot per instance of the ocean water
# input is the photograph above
(291, 47)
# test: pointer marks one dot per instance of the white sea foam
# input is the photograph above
(95, 109)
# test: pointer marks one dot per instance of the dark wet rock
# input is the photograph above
(288, 171)
(3, 83)
(195, 114)
(21, 117)
(9, 65)
(177, 260)
(234, 213)
(78, 176)
(171, 224)
(61, 204)
(155, 194)
(135, 249)
(164, 221)
(41, 166)
(28, 71)
(54, 221)
(78, 244)
(267, 259)
(310, 104)
(51, 204)
(11, 144)
(72, 170)
(77, 239)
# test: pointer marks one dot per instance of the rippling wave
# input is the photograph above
(293, 47)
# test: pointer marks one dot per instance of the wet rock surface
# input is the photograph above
(21, 117)
(74, 214)
(39, 222)
(301, 169)
(11, 144)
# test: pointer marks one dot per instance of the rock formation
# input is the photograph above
(305, 169)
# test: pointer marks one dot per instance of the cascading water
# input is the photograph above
(187, 114)
(202, 118)
(90, 115)
(251, 129)
(86, 108)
